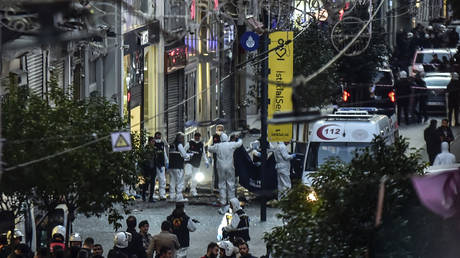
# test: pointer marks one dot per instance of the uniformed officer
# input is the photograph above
(161, 163)
(195, 147)
(177, 156)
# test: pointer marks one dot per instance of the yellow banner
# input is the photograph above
(280, 63)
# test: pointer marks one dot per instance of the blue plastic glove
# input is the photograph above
(294, 155)
(167, 165)
(207, 164)
(219, 237)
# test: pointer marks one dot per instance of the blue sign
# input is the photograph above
(250, 41)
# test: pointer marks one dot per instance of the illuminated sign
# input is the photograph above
(175, 59)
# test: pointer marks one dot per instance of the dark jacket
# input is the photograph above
(118, 253)
(433, 142)
(176, 161)
(403, 91)
(197, 149)
(135, 247)
(159, 149)
(179, 228)
(453, 89)
(445, 134)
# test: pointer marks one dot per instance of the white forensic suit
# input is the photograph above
(161, 162)
(225, 169)
(192, 167)
(444, 158)
(283, 168)
(177, 158)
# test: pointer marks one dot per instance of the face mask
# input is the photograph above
(219, 132)
(158, 140)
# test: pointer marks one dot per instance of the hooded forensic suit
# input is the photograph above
(283, 168)
(234, 225)
(225, 170)
(445, 157)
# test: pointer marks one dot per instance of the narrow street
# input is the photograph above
(210, 218)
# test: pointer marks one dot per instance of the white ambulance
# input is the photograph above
(341, 134)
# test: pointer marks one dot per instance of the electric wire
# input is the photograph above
(322, 69)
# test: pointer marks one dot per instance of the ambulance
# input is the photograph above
(340, 134)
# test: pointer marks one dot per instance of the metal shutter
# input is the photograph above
(174, 112)
(228, 100)
(59, 72)
(35, 73)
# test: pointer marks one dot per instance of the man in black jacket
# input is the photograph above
(433, 142)
(135, 246)
(403, 93)
(182, 225)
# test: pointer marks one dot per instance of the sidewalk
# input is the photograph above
(455, 145)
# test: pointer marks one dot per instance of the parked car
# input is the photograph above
(423, 57)
(436, 84)
(377, 94)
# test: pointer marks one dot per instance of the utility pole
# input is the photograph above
(1, 99)
(263, 121)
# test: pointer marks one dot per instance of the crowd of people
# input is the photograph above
(438, 141)
(172, 241)
(435, 35)
(181, 160)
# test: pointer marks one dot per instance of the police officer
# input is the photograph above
(161, 163)
(239, 224)
(403, 93)
(182, 225)
(420, 91)
(195, 147)
(148, 169)
(177, 156)
(214, 140)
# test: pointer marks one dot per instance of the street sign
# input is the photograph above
(121, 141)
(280, 63)
(250, 41)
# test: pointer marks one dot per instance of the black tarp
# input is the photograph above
(259, 180)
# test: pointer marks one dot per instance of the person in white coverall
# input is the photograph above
(161, 164)
(196, 148)
(177, 158)
(445, 157)
(225, 169)
(283, 168)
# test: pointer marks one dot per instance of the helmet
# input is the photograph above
(17, 234)
(429, 27)
(75, 237)
(122, 239)
(227, 246)
(402, 74)
(59, 229)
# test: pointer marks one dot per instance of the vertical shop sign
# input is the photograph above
(280, 63)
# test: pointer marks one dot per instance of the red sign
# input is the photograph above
(176, 59)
